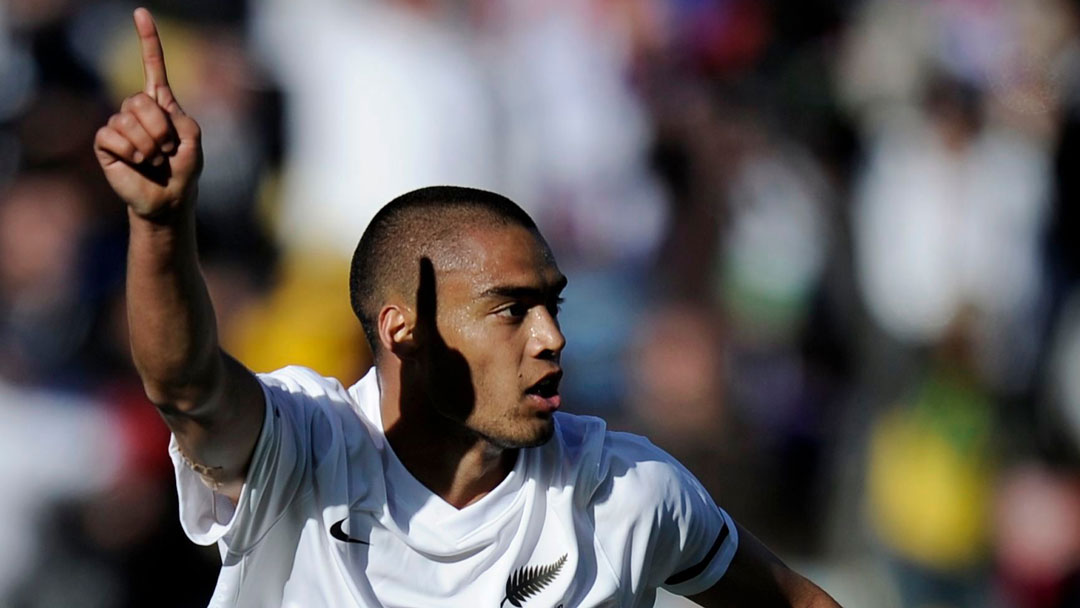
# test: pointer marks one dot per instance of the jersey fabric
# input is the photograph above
(329, 516)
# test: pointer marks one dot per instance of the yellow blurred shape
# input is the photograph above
(928, 499)
(122, 67)
(307, 320)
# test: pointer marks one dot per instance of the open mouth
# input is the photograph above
(547, 387)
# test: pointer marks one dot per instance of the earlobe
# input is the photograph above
(396, 330)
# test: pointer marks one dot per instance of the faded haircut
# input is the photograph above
(415, 225)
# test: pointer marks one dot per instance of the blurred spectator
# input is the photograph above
(895, 49)
(383, 97)
(573, 145)
(930, 469)
(43, 319)
(948, 215)
(1037, 513)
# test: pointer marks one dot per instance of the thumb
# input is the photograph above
(186, 128)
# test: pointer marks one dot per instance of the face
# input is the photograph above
(497, 307)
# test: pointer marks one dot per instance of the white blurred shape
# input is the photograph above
(533, 102)
(1038, 524)
(1065, 366)
(670, 600)
(937, 230)
(51, 446)
(575, 133)
(380, 101)
(776, 244)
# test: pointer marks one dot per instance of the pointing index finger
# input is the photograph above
(153, 58)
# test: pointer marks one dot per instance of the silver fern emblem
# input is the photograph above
(530, 580)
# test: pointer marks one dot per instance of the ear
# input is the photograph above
(396, 325)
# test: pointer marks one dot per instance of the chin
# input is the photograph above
(536, 434)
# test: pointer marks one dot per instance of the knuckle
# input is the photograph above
(158, 133)
(141, 100)
(125, 120)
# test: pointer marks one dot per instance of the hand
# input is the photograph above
(150, 150)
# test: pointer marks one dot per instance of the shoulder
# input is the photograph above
(648, 477)
(297, 379)
(319, 409)
(652, 519)
(608, 464)
(302, 388)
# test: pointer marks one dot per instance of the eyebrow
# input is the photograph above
(522, 292)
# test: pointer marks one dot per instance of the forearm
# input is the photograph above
(758, 578)
(800, 592)
(211, 402)
(173, 332)
(786, 589)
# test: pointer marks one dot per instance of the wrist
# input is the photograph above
(177, 215)
(163, 231)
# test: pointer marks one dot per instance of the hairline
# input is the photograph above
(429, 222)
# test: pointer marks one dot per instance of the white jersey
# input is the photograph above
(329, 516)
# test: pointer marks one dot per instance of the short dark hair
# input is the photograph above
(412, 226)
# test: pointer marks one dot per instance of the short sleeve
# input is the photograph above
(697, 541)
(298, 402)
(667, 531)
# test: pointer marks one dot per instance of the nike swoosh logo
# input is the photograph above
(338, 533)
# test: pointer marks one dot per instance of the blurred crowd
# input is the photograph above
(823, 252)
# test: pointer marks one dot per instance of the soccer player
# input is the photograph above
(446, 476)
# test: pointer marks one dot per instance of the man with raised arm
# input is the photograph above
(446, 476)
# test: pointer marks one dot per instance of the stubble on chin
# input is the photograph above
(525, 436)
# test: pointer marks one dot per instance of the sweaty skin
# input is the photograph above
(460, 384)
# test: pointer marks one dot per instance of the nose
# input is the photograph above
(546, 340)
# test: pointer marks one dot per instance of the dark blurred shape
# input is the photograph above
(43, 319)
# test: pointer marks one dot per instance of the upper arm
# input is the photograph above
(307, 421)
(664, 528)
(218, 436)
(758, 578)
(682, 541)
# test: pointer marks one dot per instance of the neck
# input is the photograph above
(453, 462)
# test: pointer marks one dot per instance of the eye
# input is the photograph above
(555, 307)
(514, 310)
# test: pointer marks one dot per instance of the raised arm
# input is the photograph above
(758, 578)
(151, 155)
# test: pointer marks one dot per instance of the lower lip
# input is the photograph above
(545, 404)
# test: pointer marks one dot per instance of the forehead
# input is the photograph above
(499, 256)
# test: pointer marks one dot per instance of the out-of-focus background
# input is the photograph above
(825, 252)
